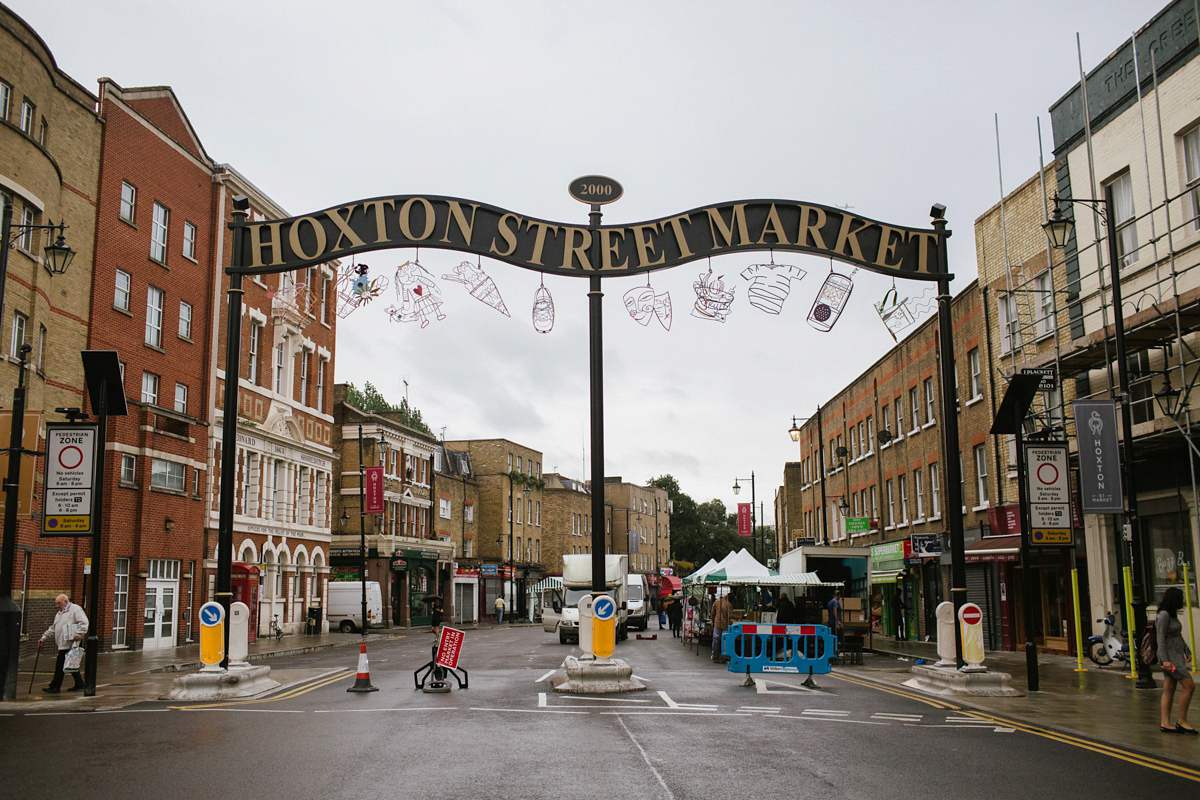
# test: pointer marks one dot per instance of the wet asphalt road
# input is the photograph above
(695, 733)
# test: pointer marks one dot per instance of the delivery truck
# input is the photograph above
(345, 606)
(577, 583)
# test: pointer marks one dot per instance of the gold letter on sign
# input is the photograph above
(718, 224)
(508, 233)
(571, 250)
(318, 234)
(460, 219)
(257, 244)
(406, 218)
(344, 229)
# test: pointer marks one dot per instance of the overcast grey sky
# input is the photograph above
(884, 107)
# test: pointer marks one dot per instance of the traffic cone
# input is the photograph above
(363, 682)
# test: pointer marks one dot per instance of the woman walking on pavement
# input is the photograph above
(1176, 660)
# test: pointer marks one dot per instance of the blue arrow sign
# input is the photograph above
(604, 608)
(210, 614)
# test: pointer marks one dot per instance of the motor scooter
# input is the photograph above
(1107, 647)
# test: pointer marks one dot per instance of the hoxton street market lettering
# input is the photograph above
(464, 225)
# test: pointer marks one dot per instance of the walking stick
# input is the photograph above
(35, 663)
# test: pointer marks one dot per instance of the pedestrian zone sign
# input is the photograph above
(70, 469)
(1049, 495)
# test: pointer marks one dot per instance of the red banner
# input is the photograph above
(745, 522)
(374, 491)
(449, 646)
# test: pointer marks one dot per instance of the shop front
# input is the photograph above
(493, 587)
(466, 595)
(891, 595)
(416, 574)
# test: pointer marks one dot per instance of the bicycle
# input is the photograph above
(276, 631)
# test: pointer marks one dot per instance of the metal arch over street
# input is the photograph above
(452, 223)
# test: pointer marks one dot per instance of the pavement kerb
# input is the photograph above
(264, 656)
(1032, 720)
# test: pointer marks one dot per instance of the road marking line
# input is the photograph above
(366, 710)
(247, 710)
(646, 758)
(547, 675)
(1103, 749)
(899, 693)
(670, 703)
(897, 717)
(654, 712)
(541, 700)
(298, 690)
(822, 711)
(761, 687)
(531, 710)
(831, 719)
(599, 699)
(978, 726)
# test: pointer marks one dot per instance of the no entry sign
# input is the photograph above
(971, 615)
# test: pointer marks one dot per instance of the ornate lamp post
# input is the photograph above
(753, 513)
(794, 432)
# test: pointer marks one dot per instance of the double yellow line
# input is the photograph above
(1150, 762)
(907, 695)
(295, 691)
(1112, 751)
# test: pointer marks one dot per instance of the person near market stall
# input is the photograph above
(722, 614)
(675, 616)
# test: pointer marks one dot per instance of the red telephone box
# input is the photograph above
(245, 583)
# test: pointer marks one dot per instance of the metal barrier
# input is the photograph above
(800, 649)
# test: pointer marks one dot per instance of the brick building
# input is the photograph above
(638, 524)
(870, 472)
(458, 498)
(50, 138)
(567, 520)
(509, 527)
(406, 552)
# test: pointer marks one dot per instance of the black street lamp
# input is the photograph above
(753, 513)
(10, 612)
(58, 255)
(362, 684)
(1058, 230)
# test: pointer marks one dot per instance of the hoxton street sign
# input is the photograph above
(561, 248)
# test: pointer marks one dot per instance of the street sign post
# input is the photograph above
(70, 469)
(585, 625)
(212, 636)
(604, 626)
(1049, 495)
(970, 618)
(449, 646)
(1048, 375)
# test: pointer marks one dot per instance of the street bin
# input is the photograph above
(312, 624)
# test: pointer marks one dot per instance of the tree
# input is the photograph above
(371, 400)
(699, 531)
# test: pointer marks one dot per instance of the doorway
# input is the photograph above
(162, 603)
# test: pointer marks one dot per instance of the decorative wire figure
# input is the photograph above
(355, 289)
(712, 299)
(642, 303)
(482, 287)
(900, 314)
(831, 299)
(543, 309)
(419, 296)
(770, 284)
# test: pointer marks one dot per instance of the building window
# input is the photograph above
(919, 487)
(166, 474)
(18, 334)
(43, 130)
(321, 384)
(158, 234)
(181, 391)
(935, 500)
(537, 512)
(279, 368)
(1010, 334)
(981, 473)
(929, 409)
(519, 506)
(120, 602)
(154, 316)
(41, 348)
(973, 366)
(890, 491)
(1141, 391)
(149, 388)
(1191, 167)
(444, 507)
(883, 418)
(914, 408)
(28, 112)
(469, 512)
(25, 237)
(255, 341)
(128, 465)
(1123, 218)
(128, 201)
(185, 320)
(874, 504)
(1044, 292)
(121, 291)
(189, 240)
(5, 99)
(304, 360)
(854, 442)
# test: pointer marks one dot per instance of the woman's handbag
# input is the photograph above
(73, 659)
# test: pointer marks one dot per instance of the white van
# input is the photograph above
(345, 605)
(639, 601)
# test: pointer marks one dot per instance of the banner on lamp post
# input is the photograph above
(1100, 485)
(745, 522)
(374, 490)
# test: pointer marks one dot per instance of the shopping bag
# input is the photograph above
(74, 658)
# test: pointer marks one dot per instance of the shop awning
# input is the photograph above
(552, 582)
(886, 576)
(993, 548)
(670, 584)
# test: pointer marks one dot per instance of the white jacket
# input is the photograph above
(70, 624)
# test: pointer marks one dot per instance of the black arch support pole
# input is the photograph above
(596, 371)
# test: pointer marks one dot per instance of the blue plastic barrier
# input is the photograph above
(800, 649)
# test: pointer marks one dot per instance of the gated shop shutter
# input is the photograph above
(980, 591)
